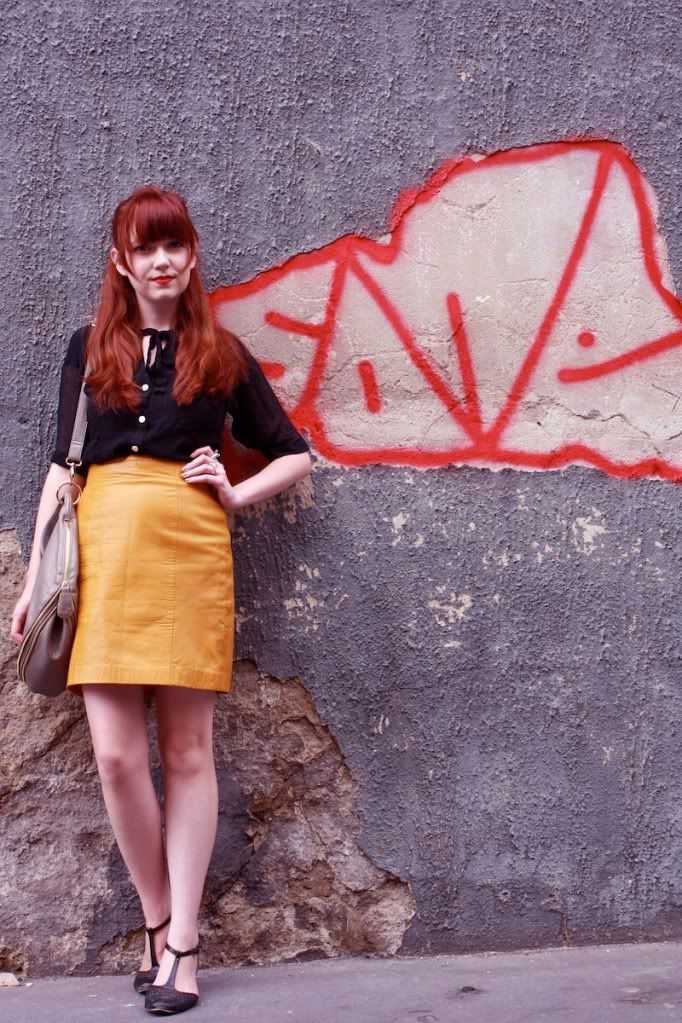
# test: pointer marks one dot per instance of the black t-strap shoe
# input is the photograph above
(145, 978)
(165, 999)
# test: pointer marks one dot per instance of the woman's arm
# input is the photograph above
(258, 422)
(48, 502)
(275, 477)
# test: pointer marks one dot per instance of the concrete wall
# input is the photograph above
(454, 723)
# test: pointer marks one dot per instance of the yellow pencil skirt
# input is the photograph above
(156, 602)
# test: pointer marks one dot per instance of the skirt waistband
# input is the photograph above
(137, 464)
(140, 472)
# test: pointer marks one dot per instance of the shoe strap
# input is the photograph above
(178, 956)
(151, 931)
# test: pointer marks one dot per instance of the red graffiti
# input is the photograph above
(352, 274)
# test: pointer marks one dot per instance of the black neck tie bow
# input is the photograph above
(157, 355)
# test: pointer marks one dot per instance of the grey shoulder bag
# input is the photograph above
(45, 651)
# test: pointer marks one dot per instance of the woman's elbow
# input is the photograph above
(58, 474)
(299, 465)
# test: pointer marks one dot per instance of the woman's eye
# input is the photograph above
(176, 244)
(140, 248)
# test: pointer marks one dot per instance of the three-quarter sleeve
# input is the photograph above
(258, 419)
(73, 370)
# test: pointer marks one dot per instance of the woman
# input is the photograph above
(156, 605)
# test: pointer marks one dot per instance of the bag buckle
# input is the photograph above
(72, 467)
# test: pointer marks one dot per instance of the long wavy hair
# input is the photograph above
(209, 359)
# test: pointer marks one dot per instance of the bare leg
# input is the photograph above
(119, 736)
(185, 728)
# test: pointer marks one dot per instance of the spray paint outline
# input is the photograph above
(485, 445)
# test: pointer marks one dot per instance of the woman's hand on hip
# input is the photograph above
(206, 467)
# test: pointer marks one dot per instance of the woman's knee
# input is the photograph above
(186, 754)
(120, 767)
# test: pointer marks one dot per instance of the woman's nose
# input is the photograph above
(161, 256)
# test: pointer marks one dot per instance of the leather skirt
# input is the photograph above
(156, 603)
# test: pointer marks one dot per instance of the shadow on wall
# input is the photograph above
(520, 313)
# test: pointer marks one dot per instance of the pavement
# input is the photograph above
(595, 984)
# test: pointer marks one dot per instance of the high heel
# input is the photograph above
(145, 978)
(165, 999)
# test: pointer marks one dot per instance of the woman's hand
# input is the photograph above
(19, 615)
(279, 474)
(206, 467)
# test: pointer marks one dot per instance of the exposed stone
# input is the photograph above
(288, 877)
(8, 980)
(307, 886)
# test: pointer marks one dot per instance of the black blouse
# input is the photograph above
(160, 427)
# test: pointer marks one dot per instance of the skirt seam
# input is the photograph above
(171, 648)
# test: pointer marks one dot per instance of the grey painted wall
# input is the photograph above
(525, 783)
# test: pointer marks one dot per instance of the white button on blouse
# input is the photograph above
(142, 419)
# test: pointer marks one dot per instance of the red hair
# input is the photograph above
(209, 359)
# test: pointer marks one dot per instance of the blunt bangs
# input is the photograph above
(150, 215)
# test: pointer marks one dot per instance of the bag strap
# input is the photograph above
(79, 427)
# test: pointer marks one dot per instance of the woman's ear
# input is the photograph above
(119, 266)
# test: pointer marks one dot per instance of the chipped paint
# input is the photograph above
(585, 531)
(381, 725)
(399, 521)
(453, 609)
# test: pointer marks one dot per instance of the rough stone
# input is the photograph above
(288, 878)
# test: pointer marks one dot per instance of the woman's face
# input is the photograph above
(159, 271)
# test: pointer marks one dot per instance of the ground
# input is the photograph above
(596, 984)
